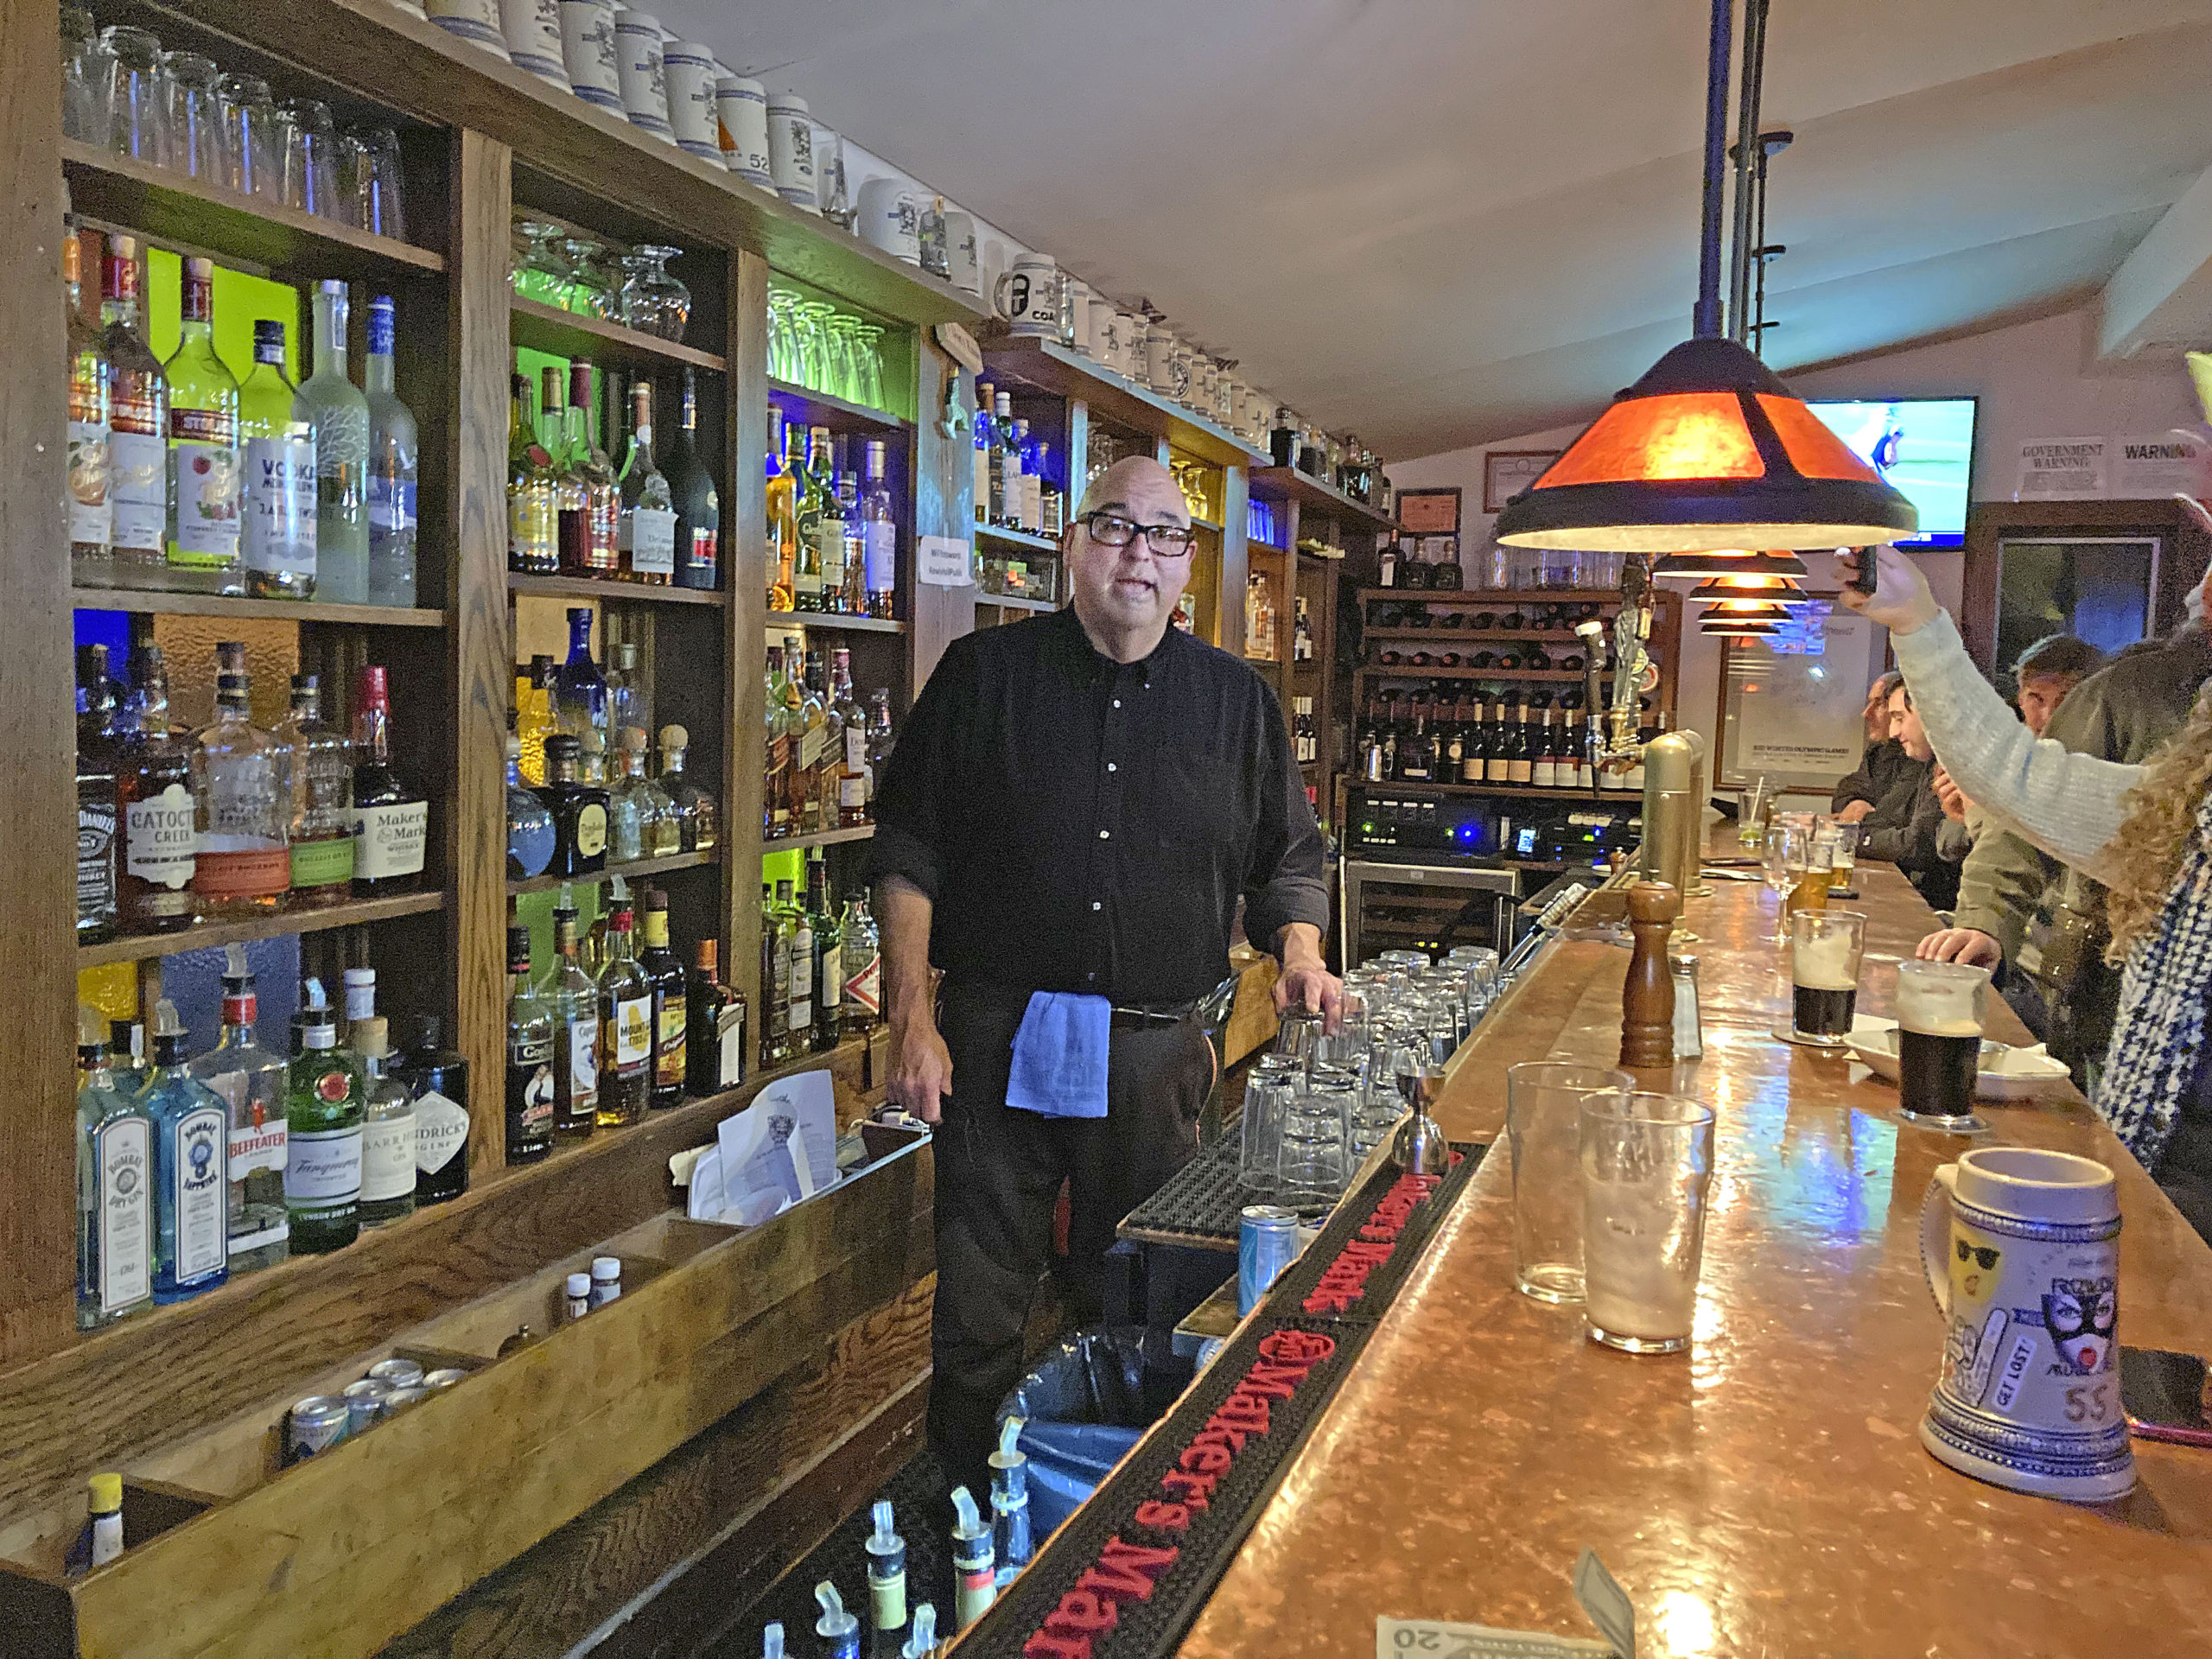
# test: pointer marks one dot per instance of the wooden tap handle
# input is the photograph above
(1647, 994)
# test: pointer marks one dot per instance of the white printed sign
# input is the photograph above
(946, 562)
(2161, 463)
(2058, 469)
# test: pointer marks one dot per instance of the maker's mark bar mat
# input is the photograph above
(1127, 1575)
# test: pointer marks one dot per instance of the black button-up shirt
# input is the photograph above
(1084, 825)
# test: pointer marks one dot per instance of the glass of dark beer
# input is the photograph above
(1939, 1042)
(1825, 946)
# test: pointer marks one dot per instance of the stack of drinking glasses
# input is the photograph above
(179, 111)
(595, 277)
(812, 344)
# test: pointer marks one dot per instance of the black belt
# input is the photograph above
(1150, 1019)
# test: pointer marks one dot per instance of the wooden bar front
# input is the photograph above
(1766, 1492)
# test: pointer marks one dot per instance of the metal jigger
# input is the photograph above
(1421, 1149)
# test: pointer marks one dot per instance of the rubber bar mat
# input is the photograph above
(1354, 1269)
(1127, 1574)
(1200, 1205)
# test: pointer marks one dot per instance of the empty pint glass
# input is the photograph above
(1647, 1161)
(1939, 1039)
(1543, 1127)
(1824, 952)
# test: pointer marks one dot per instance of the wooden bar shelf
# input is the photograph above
(1047, 366)
(613, 593)
(635, 870)
(1008, 601)
(1581, 796)
(778, 620)
(819, 838)
(203, 936)
(1314, 497)
(1035, 542)
(176, 210)
(1470, 633)
(145, 603)
(806, 408)
(541, 327)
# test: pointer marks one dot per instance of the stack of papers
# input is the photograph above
(781, 1149)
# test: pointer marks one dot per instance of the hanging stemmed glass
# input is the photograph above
(582, 290)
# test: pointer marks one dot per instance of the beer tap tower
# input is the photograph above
(1613, 743)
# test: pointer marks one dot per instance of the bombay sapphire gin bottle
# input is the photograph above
(191, 1169)
(114, 1233)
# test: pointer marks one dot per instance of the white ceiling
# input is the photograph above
(1438, 222)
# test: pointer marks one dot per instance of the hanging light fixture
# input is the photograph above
(1709, 450)
(1736, 610)
(1778, 590)
(1738, 630)
(1723, 563)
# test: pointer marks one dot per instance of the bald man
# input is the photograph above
(1074, 808)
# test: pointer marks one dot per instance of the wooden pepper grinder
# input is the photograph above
(1648, 994)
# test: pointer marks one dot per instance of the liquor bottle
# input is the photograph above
(1038, 489)
(645, 534)
(154, 805)
(573, 1000)
(580, 706)
(698, 504)
(660, 822)
(533, 509)
(984, 405)
(529, 1058)
(323, 1104)
(714, 1027)
(277, 499)
(830, 767)
(626, 804)
(775, 975)
(251, 1081)
(318, 824)
(829, 957)
(1301, 631)
(852, 779)
(115, 1153)
(880, 738)
(1521, 759)
(391, 823)
(242, 797)
(664, 971)
(393, 452)
(775, 796)
(579, 814)
(826, 463)
(629, 700)
(783, 515)
(815, 500)
(557, 427)
(698, 817)
(1414, 750)
(99, 705)
(92, 391)
(863, 966)
(529, 824)
(625, 1043)
(879, 537)
(438, 1079)
(1542, 773)
(387, 1128)
(1021, 451)
(126, 1044)
(138, 427)
(338, 414)
(596, 551)
(810, 734)
(1496, 742)
(536, 691)
(800, 1010)
(1005, 462)
(851, 600)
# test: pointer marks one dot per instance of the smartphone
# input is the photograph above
(2163, 1394)
(1868, 573)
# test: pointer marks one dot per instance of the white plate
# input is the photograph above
(2006, 1073)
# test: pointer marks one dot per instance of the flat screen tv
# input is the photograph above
(1924, 447)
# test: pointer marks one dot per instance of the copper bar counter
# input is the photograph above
(1766, 1493)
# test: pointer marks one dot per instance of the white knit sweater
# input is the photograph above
(2068, 804)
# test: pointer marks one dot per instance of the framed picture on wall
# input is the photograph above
(1796, 720)
(1506, 472)
(1429, 513)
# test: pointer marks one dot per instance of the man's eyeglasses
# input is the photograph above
(1111, 530)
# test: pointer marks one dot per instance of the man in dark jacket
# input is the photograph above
(1881, 767)
(1906, 825)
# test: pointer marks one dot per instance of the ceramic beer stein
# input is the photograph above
(1029, 297)
(2021, 1248)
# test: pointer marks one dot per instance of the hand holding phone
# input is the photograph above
(2163, 1394)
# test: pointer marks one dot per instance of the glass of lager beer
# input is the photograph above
(1824, 951)
(1843, 858)
(1939, 1042)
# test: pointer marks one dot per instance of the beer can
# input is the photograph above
(443, 1378)
(399, 1399)
(1266, 1242)
(364, 1403)
(399, 1373)
(314, 1424)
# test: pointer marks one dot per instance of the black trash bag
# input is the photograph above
(1083, 1406)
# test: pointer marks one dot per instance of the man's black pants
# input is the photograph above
(998, 1178)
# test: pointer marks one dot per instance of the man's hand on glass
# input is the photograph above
(1969, 946)
(1305, 982)
(1854, 812)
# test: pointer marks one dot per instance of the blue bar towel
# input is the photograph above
(1059, 1056)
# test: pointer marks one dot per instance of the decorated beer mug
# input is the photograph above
(1027, 294)
(2021, 1247)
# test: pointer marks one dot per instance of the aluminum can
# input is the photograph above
(1266, 1242)
(365, 1403)
(444, 1378)
(314, 1424)
(399, 1399)
(398, 1373)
